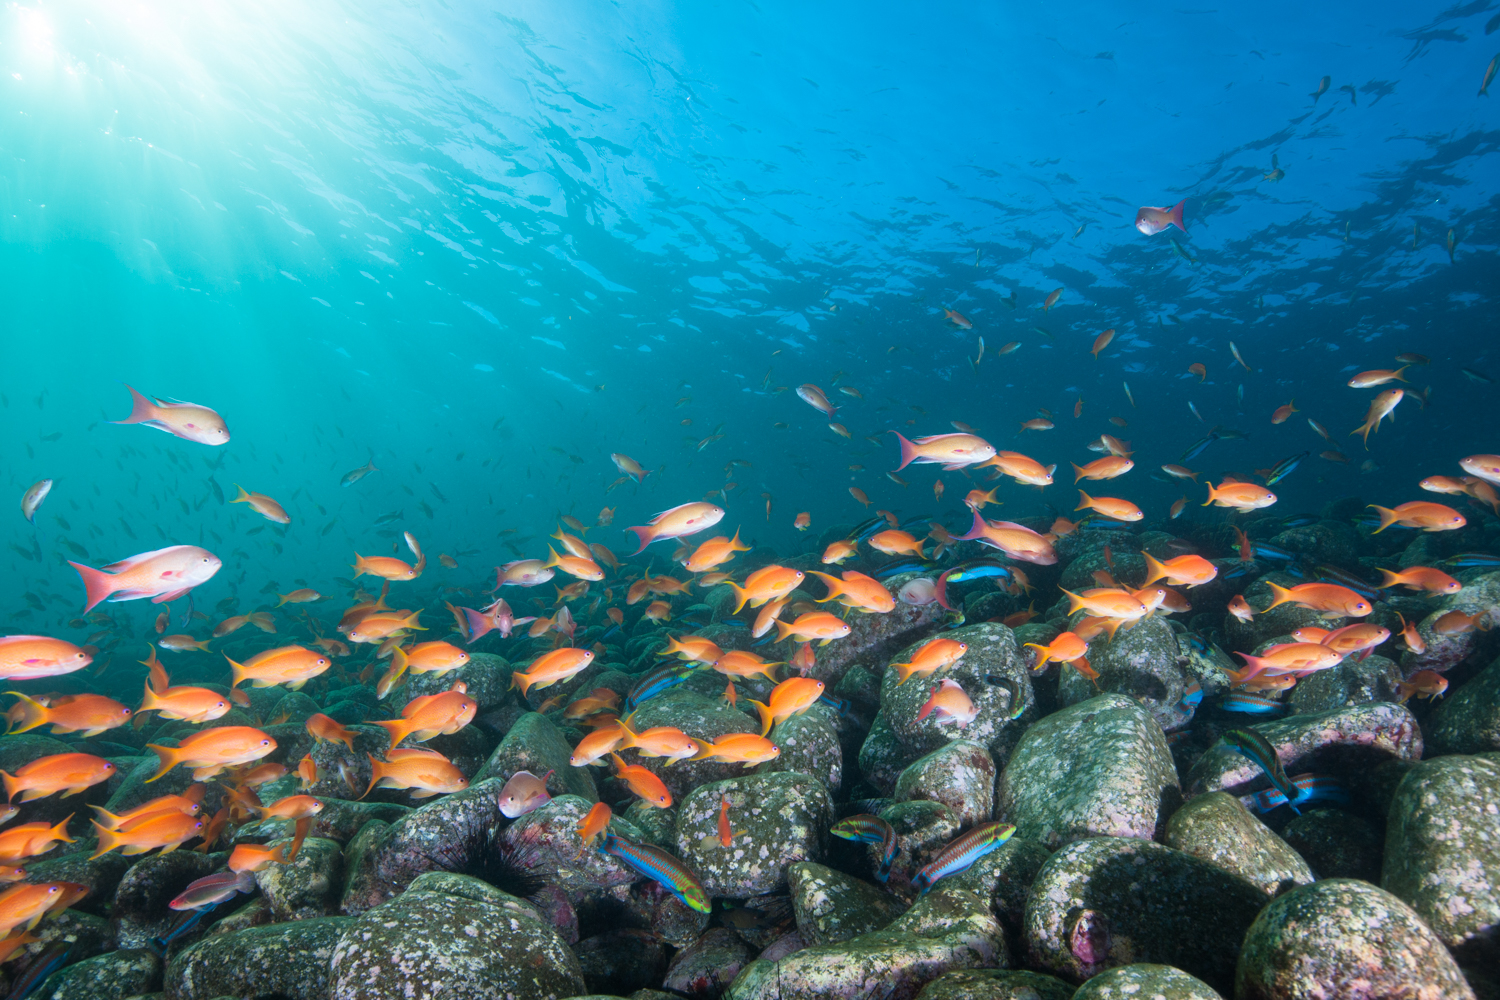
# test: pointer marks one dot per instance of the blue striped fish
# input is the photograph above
(657, 681)
(868, 829)
(1473, 560)
(962, 852)
(1310, 788)
(1258, 749)
(1245, 703)
(656, 864)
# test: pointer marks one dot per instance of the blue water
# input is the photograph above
(487, 248)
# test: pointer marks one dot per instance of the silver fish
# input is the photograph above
(523, 793)
(32, 499)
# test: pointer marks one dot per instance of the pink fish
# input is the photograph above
(813, 396)
(498, 617)
(1151, 220)
(679, 522)
(162, 575)
(188, 421)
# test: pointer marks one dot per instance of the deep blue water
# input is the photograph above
(487, 246)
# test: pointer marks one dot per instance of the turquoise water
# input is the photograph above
(486, 248)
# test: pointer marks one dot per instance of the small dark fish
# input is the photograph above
(45, 963)
(1476, 376)
(1199, 448)
(1284, 468)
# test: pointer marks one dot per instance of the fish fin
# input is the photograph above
(97, 584)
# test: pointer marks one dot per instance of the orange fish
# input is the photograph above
(803, 520)
(1426, 578)
(726, 832)
(1281, 413)
(90, 714)
(1120, 510)
(1051, 299)
(1101, 342)
(1420, 514)
(641, 781)
(1103, 468)
(1329, 598)
(858, 591)
(1183, 571)
(188, 803)
(658, 741)
(597, 744)
(1241, 609)
(303, 596)
(692, 648)
(930, 656)
(575, 566)
(28, 903)
(426, 771)
(430, 657)
(791, 697)
(895, 542)
(262, 505)
(324, 729)
(768, 615)
(813, 625)
(432, 715)
(167, 830)
(1199, 370)
(1411, 636)
(739, 748)
(293, 666)
(32, 839)
(549, 668)
(307, 771)
(1065, 648)
(859, 494)
(255, 857)
(1384, 405)
(1379, 376)
(69, 773)
(714, 552)
(210, 751)
(385, 567)
(742, 663)
(766, 584)
(1241, 496)
(593, 826)
(1423, 684)
(1023, 469)
(950, 703)
(839, 551)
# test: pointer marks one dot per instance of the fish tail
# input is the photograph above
(396, 729)
(1074, 601)
(97, 584)
(1044, 658)
(1279, 594)
(377, 772)
(903, 672)
(33, 714)
(1389, 579)
(1212, 494)
(520, 680)
(908, 452)
(399, 661)
(141, 409)
(782, 629)
(108, 840)
(1084, 500)
(705, 750)
(629, 739)
(645, 533)
(1387, 518)
(12, 784)
(166, 755)
(766, 718)
(1155, 570)
(111, 821)
(1077, 471)
(741, 595)
(243, 497)
(834, 584)
(769, 671)
(236, 671)
(60, 831)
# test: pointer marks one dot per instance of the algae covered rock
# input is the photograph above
(1113, 901)
(1342, 939)
(961, 775)
(1220, 830)
(705, 968)
(307, 887)
(1468, 719)
(777, 819)
(1142, 981)
(287, 960)
(1336, 844)
(1442, 852)
(944, 931)
(996, 984)
(1100, 768)
(992, 673)
(831, 906)
(1141, 662)
(456, 937)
